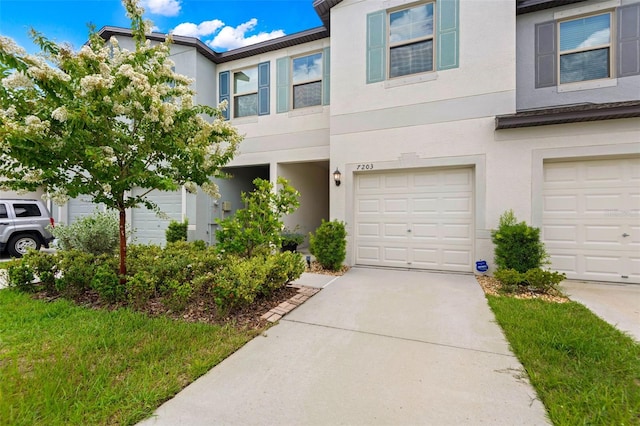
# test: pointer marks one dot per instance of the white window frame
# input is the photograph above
(391, 45)
(612, 34)
(308, 81)
(235, 95)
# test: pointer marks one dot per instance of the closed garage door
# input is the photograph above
(80, 207)
(150, 228)
(591, 219)
(420, 219)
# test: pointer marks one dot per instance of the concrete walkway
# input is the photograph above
(618, 304)
(374, 347)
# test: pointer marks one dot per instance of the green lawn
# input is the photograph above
(64, 364)
(584, 370)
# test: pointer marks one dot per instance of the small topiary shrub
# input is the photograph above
(238, 283)
(329, 244)
(177, 231)
(517, 245)
(95, 234)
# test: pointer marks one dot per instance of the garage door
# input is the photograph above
(150, 228)
(420, 219)
(591, 219)
(80, 207)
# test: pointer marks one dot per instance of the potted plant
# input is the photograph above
(291, 239)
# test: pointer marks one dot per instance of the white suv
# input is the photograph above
(23, 225)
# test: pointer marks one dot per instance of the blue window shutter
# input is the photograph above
(629, 40)
(546, 56)
(448, 41)
(263, 88)
(326, 75)
(223, 92)
(376, 46)
(282, 84)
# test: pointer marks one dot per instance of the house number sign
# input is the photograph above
(366, 166)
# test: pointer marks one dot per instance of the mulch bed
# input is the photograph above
(204, 309)
(493, 287)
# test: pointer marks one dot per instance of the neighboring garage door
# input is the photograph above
(591, 219)
(421, 219)
(148, 227)
(80, 207)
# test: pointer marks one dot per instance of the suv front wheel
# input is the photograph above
(20, 244)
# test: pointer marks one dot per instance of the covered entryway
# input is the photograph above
(420, 219)
(591, 218)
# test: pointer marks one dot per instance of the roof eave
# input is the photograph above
(555, 115)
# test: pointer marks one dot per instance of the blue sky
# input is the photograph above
(221, 24)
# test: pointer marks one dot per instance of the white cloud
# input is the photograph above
(596, 39)
(162, 7)
(202, 29)
(231, 38)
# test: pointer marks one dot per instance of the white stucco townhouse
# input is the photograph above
(439, 116)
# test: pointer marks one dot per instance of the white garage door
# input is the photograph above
(150, 228)
(80, 207)
(420, 219)
(591, 219)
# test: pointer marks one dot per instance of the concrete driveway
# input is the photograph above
(375, 347)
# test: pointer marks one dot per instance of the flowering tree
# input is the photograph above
(104, 120)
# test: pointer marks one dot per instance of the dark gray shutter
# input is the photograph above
(376, 46)
(546, 56)
(223, 92)
(629, 40)
(263, 88)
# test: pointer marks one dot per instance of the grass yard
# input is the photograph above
(584, 370)
(64, 364)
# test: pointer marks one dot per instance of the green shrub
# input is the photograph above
(329, 244)
(177, 231)
(543, 280)
(95, 234)
(517, 245)
(256, 228)
(44, 266)
(77, 269)
(509, 278)
(140, 289)
(107, 283)
(21, 276)
(282, 269)
(238, 283)
(177, 295)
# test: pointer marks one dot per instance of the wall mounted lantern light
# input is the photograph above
(336, 177)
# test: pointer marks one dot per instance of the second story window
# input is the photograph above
(411, 40)
(307, 80)
(245, 92)
(585, 48)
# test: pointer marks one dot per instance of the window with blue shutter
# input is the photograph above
(401, 42)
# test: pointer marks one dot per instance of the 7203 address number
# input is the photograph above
(364, 166)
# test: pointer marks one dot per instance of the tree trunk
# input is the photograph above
(123, 247)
